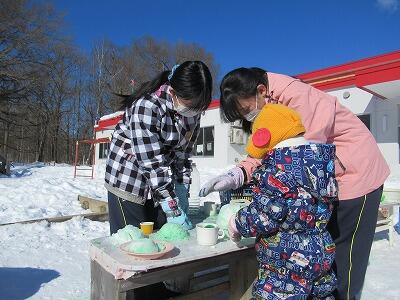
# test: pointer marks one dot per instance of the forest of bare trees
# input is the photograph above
(52, 93)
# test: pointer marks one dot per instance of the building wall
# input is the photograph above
(384, 119)
(386, 130)
(212, 118)
(384, 125)
(225, 153)
(100, 164)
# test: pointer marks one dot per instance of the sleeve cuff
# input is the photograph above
(167, 193)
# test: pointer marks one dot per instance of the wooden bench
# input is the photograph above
(392, 195)
(94, 205)
(385, 220)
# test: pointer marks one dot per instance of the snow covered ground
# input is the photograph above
(43, 261)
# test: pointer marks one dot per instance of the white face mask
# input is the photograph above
(183, 110)
(253, 114)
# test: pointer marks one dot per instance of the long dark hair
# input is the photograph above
(191, 80)
(238, 84)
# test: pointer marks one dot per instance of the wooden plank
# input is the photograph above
(211, 283)
(385, 211)
(180, 283)
(205, 293)
(207, 277)
(91, 216)
(95, 205)
(205, 272)
(189, 268)
(383, 222)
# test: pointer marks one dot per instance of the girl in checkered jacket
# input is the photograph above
(148, 167)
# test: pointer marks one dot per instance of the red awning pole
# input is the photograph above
(76, 157)
(93, 157)
(92, 144)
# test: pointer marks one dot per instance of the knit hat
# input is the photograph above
(274, 123)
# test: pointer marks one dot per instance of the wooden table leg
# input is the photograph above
(241, 276)
(249, 292)
(103, 285)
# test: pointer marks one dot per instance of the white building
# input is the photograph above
(370, 88)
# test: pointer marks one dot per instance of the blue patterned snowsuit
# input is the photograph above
(292, 204)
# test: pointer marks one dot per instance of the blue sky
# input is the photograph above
(282, 36)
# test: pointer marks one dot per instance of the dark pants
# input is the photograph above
(352, 227)
(122, 213)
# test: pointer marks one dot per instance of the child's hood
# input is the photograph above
(312, 166)
(274, 123)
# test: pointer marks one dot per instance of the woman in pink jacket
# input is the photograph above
(360, 167)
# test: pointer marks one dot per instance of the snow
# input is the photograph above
(394, 179)
(113, 115)
(51, 261)
(38, 191)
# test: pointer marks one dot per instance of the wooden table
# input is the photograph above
(114, 274)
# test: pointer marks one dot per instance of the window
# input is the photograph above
(204, 145)
(366, 119)
(199, 145)
(209, 141)
(103, 150)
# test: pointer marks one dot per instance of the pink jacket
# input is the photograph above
(360, 166)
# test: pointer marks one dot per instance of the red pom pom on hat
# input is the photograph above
(261, 137)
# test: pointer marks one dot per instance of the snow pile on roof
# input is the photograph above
(113, 115)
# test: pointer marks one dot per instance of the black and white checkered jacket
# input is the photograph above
(150, 146)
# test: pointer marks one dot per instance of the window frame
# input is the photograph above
(104, 148)
(361, 117)
(205, 141)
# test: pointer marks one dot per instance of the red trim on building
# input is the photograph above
(373, 70)
(214, 104)
(379, 74)
(351, 67)
(108, 123)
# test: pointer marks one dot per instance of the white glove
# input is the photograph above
(231, 180)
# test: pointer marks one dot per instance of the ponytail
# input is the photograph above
(145, 88)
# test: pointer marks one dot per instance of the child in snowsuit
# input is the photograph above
(292, 203)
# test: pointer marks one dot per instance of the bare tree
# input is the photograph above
(51, 95)
(25, 32)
